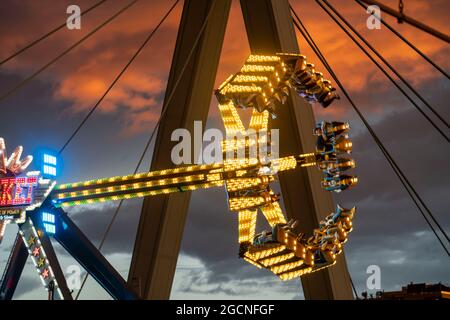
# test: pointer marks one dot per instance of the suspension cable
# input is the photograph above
(88, 115)
(353, 287)
(405, 182)
(385, 72)
(404, 177)
(400, 11)
(389, 66)
(412, 46)
(62, 54)
(409, 20)
(163, 112)
(48, 34)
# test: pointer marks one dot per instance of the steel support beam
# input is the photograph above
(270, 30)
(53, 262)
(2, 230)
(13, 270)
(162, 219)
(87, 255)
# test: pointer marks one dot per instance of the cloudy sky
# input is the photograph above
(389, 231)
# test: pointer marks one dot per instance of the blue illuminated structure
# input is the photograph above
(49, 165)
(48, 221)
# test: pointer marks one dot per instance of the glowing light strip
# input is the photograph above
(230, 88)
(246, 183)
(259, 253)
(216, 171)
(237, 204)
(259, 120)
(250, 68)
(249, 260)
(277, 259)
(247, 78)
(273, 213)
(139, 176)
(247, 225)
(263, 58)
(232, 121)
(294, 274)
(285, 267)
(139, 194)
(130, 187)
(286, 163)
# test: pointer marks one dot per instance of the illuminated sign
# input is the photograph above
(17, 191)
(20, 191)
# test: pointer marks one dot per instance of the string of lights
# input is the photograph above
(408, 85)
(62, 54)
(48, 34)
(412, 46)
(147, 145)
(405, 182)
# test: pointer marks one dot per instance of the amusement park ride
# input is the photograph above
(279, 86)
(35, 202)
(304, 240)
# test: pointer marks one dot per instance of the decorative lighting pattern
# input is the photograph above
(17, 191)
(263, 83)
(12, 166)
(241, 177)
(32, 240)
(19, 194)
(273, 214)
(247, 225)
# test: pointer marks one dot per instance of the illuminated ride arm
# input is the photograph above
(243, 177)
(139, 185)
(247, 170)
(264, 83)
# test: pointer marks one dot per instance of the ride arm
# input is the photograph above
(140, 185)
